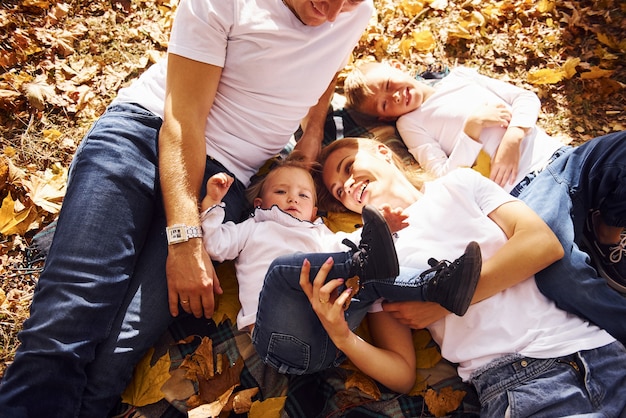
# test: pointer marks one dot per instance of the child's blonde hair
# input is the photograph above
(355, 87)
(294, 160)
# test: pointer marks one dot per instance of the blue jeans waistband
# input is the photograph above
(512, 371)
(531, 176)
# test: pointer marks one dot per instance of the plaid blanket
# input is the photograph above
(318, 395)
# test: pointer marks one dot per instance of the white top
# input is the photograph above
(453, 212)
(434, 135)
(257, 241)
(274, 70)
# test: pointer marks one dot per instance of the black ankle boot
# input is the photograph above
(453, 284)
(375, 257)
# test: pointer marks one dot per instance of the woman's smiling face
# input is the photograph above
(357, 177)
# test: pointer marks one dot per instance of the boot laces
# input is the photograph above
(617, 252)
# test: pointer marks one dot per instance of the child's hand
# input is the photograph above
(396, 218)
(505, 164)
(493, 115)
(216, 188)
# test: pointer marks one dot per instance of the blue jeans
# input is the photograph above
(289, 336)
(589, 383)
(590, 176)
(101, 300)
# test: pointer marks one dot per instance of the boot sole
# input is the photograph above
(372, 215)
(472, 266)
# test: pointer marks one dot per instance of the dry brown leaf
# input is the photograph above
(214, 408)
(242, 400)
(364, 384)
(444, 402)
(210, 389)
(596, 72)
(178, 387)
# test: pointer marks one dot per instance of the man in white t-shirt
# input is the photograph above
(240, 77)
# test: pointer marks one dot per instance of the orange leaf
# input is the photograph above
(444, 402)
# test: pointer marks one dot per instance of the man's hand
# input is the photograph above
(191, 279)
(416, 315)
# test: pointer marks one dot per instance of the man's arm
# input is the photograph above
(190, 91)
(310, 144)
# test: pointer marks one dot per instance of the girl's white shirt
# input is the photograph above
(453, 212)
(257, 241)
(274, 70)
(434, 135)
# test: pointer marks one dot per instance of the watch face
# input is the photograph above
(176, 234)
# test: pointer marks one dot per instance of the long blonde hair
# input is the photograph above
(327, 201)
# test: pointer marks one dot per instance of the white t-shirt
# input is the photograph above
(274, 70)
(257, 241)
(434, 135)
(453, 212)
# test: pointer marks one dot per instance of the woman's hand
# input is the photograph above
(328, 306)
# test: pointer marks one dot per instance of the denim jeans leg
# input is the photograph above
(288, 334)
(109, 206)
(590, 176)
(145, 313)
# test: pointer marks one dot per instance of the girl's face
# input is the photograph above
(394, 92)
(291, 189)
(359, 177)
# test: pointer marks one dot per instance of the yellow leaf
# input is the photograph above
(9, 151)
(51, 135)
(12, 222)
(607, 40)
(269, 408)
(459, 32)
(545, 6)
(405, 46)
(570, 67)
(424, 41)
(46, 192)
(545, 76)
(228, 304)
(596, 72)
(410, 8)
(145, 388)
(427, 357)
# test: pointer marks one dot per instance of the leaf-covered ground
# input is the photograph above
(61, 63)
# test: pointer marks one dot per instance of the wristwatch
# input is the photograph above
(181, 233)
